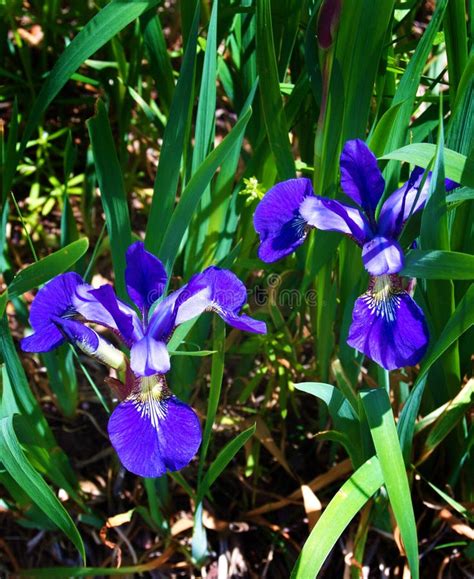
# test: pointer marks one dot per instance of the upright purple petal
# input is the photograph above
(382, 256)
(217, 290)
(388, 326)
(149, 356)
(102, 306)
(53, 300)
(278, 221)
(163, 319)
(408, 199)
(361, 178)
(153, 432)
(331, 215)
(145, 276)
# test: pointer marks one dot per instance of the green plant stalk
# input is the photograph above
(455, 33)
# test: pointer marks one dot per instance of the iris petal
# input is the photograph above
(331, 215)
(361, 178)
(149, 356)
(388, 326)
(102, 306)
(382, 256)
(218, 290)
(154, 432)
(44, 340)
(55, 299)
(277, 219)
(406, 200)
(145, 276)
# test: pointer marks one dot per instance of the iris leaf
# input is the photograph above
(343, 507)
(457, 167)
(113, 194)
(191, 195)
(45, 269)
(167, 175)
(461, 320)
(387, 446)
(434, 264)
(17, 465)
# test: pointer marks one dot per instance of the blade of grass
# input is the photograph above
(183, 213)
(167, 175)
(270, 97)
(458, 167)
(343, 507)
(384, 434)
(15, 462)
(203, 140)
(45, 269)
(115, 16)
(113, 194)
(438, 264)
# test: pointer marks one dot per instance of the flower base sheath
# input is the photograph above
(151, 430)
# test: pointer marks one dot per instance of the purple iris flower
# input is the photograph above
(151, 430)
(387, 325)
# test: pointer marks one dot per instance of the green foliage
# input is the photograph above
(188, 105)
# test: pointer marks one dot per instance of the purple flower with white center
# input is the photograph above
(387, 325)
(151, 430)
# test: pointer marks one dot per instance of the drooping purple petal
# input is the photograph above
(388, 326)
(218, 290)
(382, 256)
(361, 178)
(145, 276)
(331, 215)
(102, 306)
(277, 219)
(79, 334)
(408, 199)
(44, 340)
(53, 300)
(149, 356)
(92, 344)
(154, 432)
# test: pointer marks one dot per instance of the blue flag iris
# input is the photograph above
(151, 430)
(387, 325)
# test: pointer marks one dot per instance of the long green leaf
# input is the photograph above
(344, 506)
(167, 175)
(451, 416)
(434, 264)
(17, 465)
(384, 434)
(113, 194)
(45, 269)
(458, 167)
(461, 320)
(222, 460)
(203, 140)
(98, 31)
(272, 105)
(183, 213)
